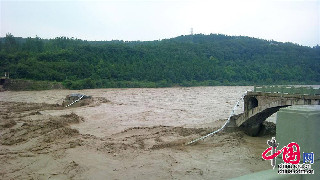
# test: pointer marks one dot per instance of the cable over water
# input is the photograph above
(225, 124)
(75, 101)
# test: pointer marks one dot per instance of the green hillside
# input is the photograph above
(185, 60)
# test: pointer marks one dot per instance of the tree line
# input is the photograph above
(190, 60)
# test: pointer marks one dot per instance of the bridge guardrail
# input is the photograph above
(287, 90)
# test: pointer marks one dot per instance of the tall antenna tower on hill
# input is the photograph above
(191, 31)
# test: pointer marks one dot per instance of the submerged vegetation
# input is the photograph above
(191, 60)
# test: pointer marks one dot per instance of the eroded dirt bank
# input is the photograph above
(125, 134)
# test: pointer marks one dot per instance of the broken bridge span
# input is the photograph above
(265, 101)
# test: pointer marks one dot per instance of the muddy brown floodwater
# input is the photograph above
(125, 134)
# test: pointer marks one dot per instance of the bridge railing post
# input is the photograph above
(267, 89)
(258, 89)
(290, 90)
(272, 89)
(317, 92)
(312, 91)
(282, 89)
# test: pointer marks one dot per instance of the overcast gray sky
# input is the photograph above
(295, 21)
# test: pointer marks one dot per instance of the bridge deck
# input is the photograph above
(263, 102)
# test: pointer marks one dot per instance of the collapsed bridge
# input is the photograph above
(266, 100)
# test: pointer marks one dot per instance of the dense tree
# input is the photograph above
(185, 60)
(10, 44)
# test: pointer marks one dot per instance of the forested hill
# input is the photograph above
(184, 60)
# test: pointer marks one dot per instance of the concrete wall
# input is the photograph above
(301, 124)
(298, 124)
